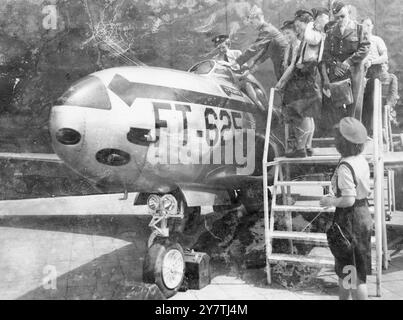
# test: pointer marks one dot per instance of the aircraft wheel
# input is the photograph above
(164, 265)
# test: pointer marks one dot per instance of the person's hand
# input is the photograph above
(244, 68)
(244, 75)
(341, 69)
(339, 72)
(327, 201)
(345, 66)
(367, 64)
(326, 87)
(279, 86)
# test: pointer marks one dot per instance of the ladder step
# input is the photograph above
(301, 236)
(326, 158)
(279, 208)
(310, 261)
(323, 139)
(318, 238)
(304, 183)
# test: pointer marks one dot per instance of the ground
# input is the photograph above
(101, 258)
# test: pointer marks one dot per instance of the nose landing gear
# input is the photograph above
(164, 263)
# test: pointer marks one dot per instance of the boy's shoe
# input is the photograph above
(309, 152)
(296, 154)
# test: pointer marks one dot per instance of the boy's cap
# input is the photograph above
(352, 130)
(319, 11)
(301, 12)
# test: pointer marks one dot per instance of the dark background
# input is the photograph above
(92, 35)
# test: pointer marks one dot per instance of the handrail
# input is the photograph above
(268, 125)
(265, 177)
(378, 164)
(379, 176)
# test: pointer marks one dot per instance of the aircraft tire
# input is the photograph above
(164, 265)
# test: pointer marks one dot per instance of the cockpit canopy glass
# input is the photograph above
(89, 92)
(204, 67)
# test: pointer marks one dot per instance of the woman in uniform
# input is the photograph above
(352, 220)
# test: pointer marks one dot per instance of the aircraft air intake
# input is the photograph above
(113, 157)
(68, 137)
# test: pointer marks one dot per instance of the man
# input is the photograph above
(346, 47)
(270, 43)
(225, 54)
(228, 58)
(378, 52)
(390, 97)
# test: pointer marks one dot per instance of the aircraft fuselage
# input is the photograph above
(150, 128)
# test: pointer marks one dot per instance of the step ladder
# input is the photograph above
(282, 187)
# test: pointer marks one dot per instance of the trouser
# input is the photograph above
(303, 132)
(6, 91)
(368, 110)
(358, 86)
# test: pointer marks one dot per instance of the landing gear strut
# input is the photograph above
(164, 263)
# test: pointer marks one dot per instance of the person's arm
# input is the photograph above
(393, 94)
(342, 202)
(362, 51)
(325, 78)
(348, 190)
(268, 34)
(263, 40)
(383, 53)
(288, 72)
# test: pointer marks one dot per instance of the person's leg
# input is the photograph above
(344, 294)
(368, 106)
(311, 134)
(358, 87)
(303, 132)
(361, 293)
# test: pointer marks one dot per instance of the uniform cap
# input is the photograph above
(217, 40)
(352, 130)
(337, 6)
(319, 11)
(301, 12)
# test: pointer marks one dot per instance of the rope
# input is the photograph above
(310, 223)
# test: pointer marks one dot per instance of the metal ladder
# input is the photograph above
(272, 209)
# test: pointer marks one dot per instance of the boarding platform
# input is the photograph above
(280, 203)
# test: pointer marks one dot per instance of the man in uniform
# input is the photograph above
(346, 47)
(270, 43)
(225, 54)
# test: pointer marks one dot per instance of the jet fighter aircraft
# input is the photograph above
(188, 143)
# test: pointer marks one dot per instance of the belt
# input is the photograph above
(361, 203)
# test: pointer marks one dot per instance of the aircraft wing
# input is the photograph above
(105, 204)
(39, 157)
